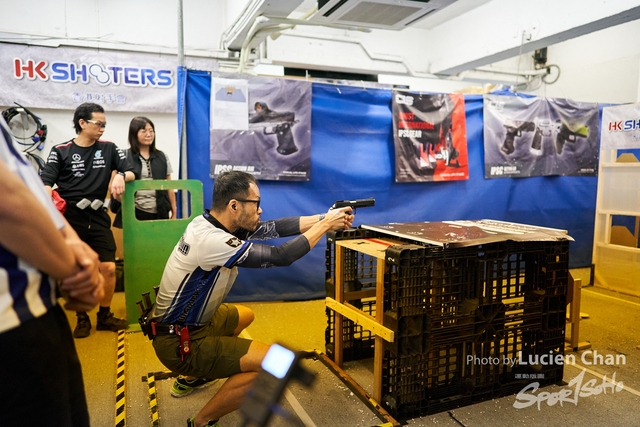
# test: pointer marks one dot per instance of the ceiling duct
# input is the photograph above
(234, 36)
(382, 14)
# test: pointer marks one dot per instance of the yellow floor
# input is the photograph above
(610, 328)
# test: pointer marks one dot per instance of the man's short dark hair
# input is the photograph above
(230, 185)
(84, 112)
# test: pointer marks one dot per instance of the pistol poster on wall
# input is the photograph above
(272, 138)
(430, 137)
(539, 137)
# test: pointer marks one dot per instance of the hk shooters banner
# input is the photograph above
(620, 127)
(539, 137)
(262, 126)
(64, 77)
(429, 134)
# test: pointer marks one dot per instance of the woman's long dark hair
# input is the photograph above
(136, 124)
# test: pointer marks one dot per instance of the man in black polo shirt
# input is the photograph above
(82, 169)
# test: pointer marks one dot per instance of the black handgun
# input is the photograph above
(568, 133)
(357, 203)
(514, 128)
(279, 124)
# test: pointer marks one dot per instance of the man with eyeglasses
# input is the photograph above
(194, 333)
(82, 169)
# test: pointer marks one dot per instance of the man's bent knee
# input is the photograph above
(251, 361)
(245, 318)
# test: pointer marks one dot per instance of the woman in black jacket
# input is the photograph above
(149, 163)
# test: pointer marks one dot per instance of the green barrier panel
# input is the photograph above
(148, 244)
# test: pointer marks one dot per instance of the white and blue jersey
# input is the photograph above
(25, 292)
(204, 265)
(199, 274)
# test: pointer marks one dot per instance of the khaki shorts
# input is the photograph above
(215, 352)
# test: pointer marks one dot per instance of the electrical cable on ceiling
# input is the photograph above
(516, 85)
(544, 77)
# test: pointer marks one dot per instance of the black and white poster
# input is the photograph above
(272, 141)
(539, 137)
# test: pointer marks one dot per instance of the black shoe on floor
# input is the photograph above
(83, 327)
(111, 323)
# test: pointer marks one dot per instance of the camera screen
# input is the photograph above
(278, 361)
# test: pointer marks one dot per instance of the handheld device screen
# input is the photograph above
(278, 360)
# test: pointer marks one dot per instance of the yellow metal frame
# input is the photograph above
(341, 309)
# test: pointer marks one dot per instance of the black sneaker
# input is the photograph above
(83, 327)
(111, 323)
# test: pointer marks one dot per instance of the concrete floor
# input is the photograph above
(610, 328)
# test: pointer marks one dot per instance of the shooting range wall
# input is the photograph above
(352, 156)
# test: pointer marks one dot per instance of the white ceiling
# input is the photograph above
(461, 37)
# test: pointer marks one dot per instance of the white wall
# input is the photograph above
(603, 66)
(130, 24)
(145, 25)
(599, 67)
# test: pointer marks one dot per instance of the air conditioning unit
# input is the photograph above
(382, 14)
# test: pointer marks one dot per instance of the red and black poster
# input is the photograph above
(430, 137)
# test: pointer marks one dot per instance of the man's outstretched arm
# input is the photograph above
(262, 256)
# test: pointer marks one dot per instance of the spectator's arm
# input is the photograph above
(27, 230)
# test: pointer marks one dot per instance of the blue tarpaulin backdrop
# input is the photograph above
(352, 157)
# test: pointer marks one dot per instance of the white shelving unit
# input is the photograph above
(616, 255)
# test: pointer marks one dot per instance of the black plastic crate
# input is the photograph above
(503, 300)
(359, 269)
(542, 350)
(414, 385)
(441, 279)
(450, 376)
(554, 313)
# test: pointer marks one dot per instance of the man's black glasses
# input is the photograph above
(257, 202)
